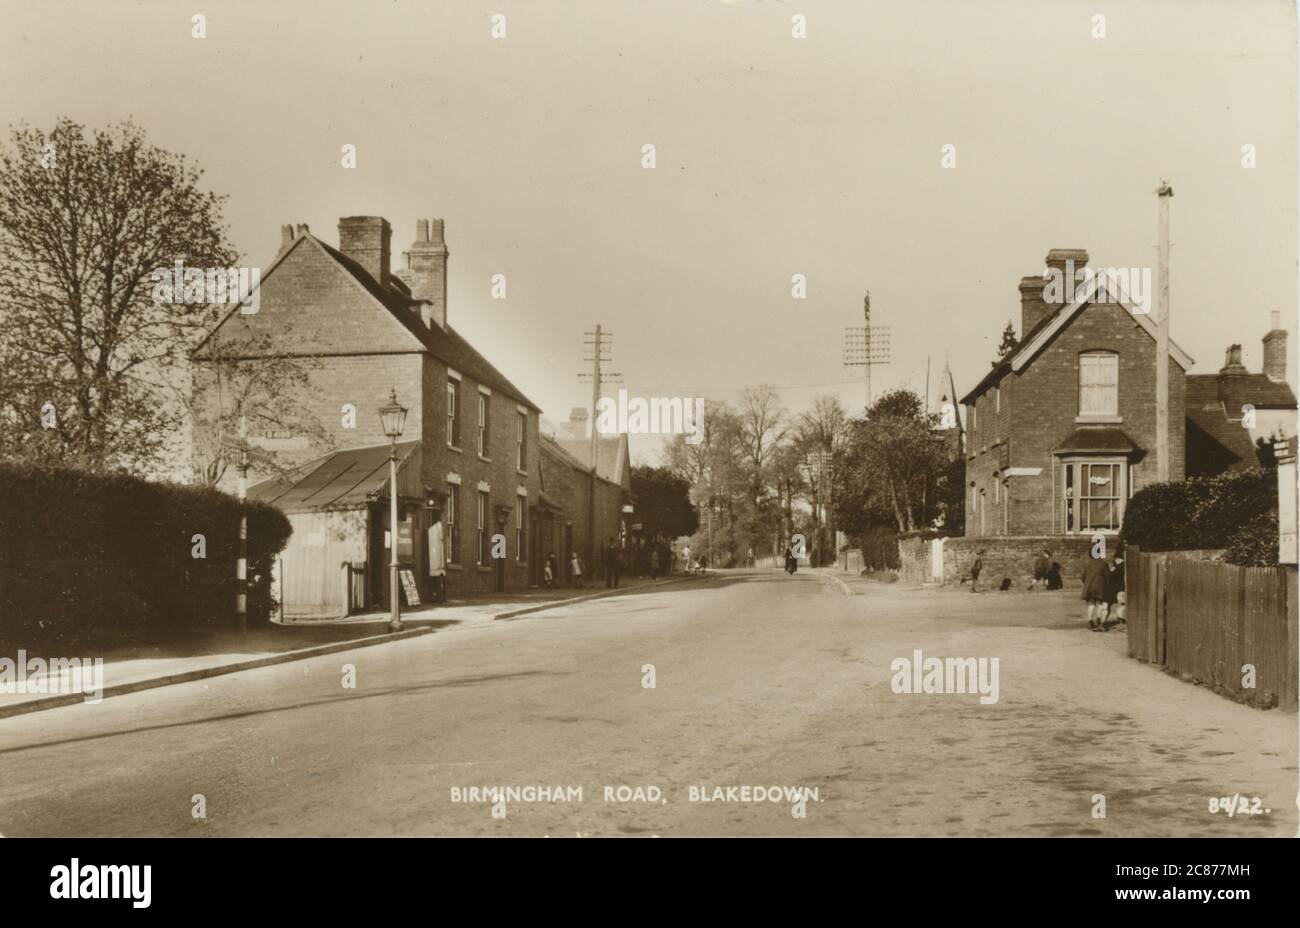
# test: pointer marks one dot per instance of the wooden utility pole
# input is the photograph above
(1162, 334)
(599, 343)
(866, 345)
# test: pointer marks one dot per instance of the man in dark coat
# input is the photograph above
(613, 561)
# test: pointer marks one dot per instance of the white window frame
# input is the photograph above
(483, 413)
(521, 441)
(1079, 475)
(482, 504)
(1098, 385)
(453, 409)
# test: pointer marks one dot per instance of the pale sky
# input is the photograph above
(775, 156)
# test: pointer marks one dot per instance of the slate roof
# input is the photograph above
(445, 344)
(1236, 390)
(610, 455)
(1213, 405)
(345, 479)
(1091, 438)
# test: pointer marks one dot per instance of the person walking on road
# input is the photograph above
(575, 570)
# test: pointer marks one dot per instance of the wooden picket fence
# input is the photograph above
(1204, 620)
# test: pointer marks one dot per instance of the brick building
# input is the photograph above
(1062, 431)
(1230, 413)
(569, 488)
(470, 449)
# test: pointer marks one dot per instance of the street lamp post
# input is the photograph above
(393, 418)
(241, 598)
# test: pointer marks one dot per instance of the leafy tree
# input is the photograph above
(663, 502)
(891, 465)
(85, 219)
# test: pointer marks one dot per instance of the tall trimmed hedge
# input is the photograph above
(104, 559)
(1236, 511)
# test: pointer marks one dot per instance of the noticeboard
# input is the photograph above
(412, 594)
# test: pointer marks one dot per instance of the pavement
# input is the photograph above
(135, 667)
(673, 710)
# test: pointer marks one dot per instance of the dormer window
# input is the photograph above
(1098, 384)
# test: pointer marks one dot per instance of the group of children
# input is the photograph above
(1103, 591)
(1103, 585)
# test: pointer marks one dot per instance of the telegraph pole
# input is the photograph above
(599, 341)
(1162, 335)
(866, 345)
(866, 317)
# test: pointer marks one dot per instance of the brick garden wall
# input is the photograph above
(1013, 557)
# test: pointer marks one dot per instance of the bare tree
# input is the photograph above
(762, 428)
(240, 386)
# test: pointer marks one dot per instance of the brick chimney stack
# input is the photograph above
(1275, 351)
(426, 271)
(1032, 308)
(1070, 262)
(578, 422)
(367, 240)
(1232, 362)
(286, 236)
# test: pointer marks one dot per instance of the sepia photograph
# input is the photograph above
(681, 419)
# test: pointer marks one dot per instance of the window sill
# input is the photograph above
(455, 567)
(483, 570)
(485, 460)
(521, 473)
(1098, 420)
(451, 447)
